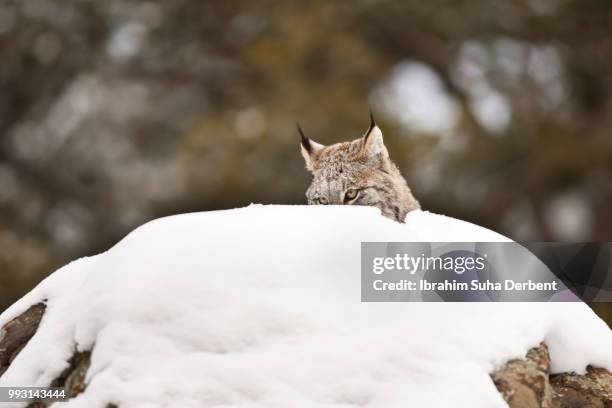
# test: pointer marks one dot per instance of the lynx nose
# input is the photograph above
(334, 192)
(336, 200)
(335, 195)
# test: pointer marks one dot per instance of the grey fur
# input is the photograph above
(362, 164)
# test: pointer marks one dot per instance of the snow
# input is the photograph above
(260, 307)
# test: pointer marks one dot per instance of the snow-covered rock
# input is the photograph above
(260, 307)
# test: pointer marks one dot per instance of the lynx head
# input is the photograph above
(358, 172)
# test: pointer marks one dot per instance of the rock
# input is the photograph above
(524, 383)
(16, 333)
(527, 383)
(72, 379)
(594, 389)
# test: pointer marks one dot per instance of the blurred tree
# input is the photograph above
(116, 112)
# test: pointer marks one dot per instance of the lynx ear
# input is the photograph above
(309, 148)
(373, 140)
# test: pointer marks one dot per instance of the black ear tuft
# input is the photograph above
(304, 140)
(372, 126)
(372, 121)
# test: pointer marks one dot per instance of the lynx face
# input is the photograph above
(359, 172)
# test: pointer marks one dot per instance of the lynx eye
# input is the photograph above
(323, 200)
(350, 194)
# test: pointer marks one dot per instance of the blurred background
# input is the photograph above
(116, 112)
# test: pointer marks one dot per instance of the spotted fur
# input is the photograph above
(362, 165)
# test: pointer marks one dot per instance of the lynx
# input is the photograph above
(358, 172)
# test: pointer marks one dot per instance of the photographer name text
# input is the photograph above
(454, 285)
